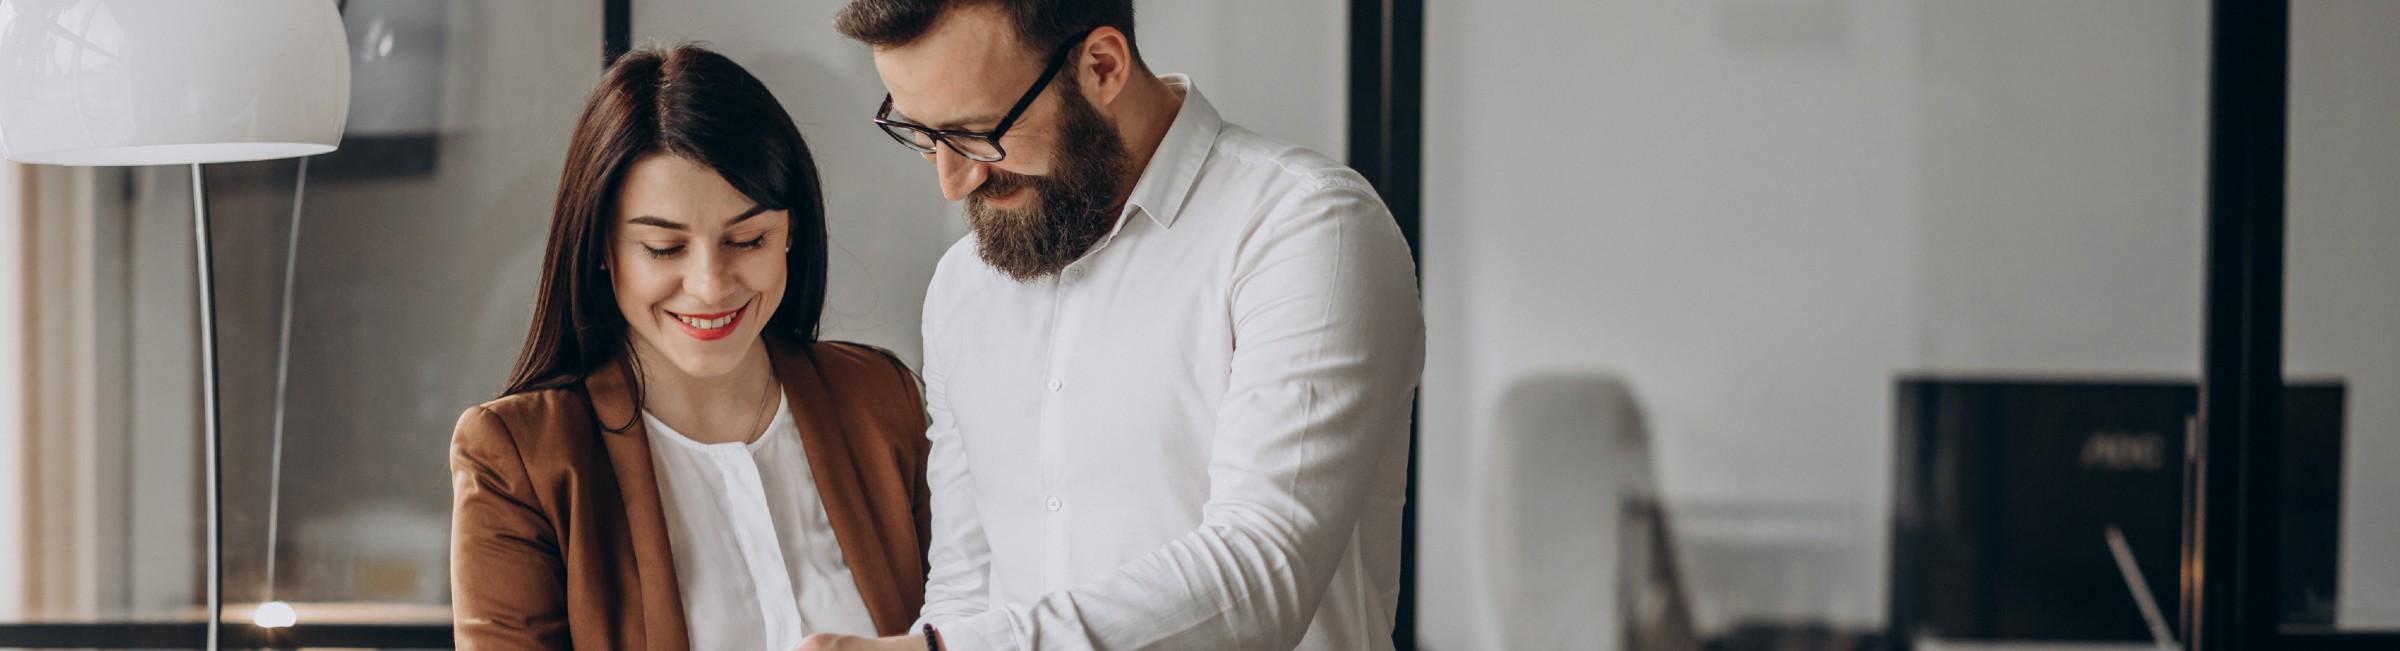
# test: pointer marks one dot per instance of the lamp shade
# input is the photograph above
(170, 82)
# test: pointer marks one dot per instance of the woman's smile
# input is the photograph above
(709, 327)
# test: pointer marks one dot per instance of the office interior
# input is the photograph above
(1752, 324)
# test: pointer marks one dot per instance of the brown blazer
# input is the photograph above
(558, 540)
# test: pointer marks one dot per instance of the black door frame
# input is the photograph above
(1386, 143)
(2229, 550)
(2233, 517)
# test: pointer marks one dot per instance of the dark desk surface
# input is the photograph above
(353, 625)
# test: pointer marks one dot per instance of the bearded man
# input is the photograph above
(1168, 371)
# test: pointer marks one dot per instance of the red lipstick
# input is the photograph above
(710, 327)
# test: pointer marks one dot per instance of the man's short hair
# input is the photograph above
(1042, 25)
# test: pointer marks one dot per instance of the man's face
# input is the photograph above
(1052, 197)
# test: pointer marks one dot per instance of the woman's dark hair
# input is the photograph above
(684, 101)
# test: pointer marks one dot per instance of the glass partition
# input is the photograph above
(1808, 324)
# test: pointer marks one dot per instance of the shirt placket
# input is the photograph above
(754, 533)
(1057, 511)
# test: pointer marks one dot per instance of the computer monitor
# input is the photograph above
(2004, 489)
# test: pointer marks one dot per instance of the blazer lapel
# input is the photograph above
(831, 462)
(628, 445)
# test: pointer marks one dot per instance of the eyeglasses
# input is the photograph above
(978, 146)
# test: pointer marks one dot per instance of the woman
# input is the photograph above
(677, 460)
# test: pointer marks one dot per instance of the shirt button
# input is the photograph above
(1055, 385)
(1074, 274)
(1053, 504)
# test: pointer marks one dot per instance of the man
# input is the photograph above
(1169, 371)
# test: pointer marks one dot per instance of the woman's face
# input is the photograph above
(697, 267)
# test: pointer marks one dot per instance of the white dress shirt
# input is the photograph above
(1196, 436)
(755, 555)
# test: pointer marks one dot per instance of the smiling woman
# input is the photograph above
(675, 442)
(692, 258)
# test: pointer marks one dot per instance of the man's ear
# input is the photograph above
(1105, 66)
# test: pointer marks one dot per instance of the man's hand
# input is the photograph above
(832, 642)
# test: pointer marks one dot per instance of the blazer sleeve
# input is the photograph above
(906, 419)
(913, 424)
(507, 579)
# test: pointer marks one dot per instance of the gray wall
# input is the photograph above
(2342, 302)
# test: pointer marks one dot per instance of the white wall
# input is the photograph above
(1755, 214)
(2342, 306)
(1277, 67)
(12, 394)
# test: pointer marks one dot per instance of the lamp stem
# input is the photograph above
(209, 436)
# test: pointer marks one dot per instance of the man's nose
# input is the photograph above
(959, 176)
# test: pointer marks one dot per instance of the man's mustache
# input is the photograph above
(997, 184)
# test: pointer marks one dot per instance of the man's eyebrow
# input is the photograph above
(961, 123)
(957, 124)
(646, 220)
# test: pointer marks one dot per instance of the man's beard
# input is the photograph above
(1072, 211)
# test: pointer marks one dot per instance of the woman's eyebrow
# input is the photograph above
(754, 211)
(661, 222)
(646, 220)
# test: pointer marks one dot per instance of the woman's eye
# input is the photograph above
(749, 244)
(659, 252)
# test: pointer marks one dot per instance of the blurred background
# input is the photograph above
(1776, 324)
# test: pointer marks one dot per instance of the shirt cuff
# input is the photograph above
(985, 631)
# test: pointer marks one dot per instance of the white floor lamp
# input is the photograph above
(175, 82)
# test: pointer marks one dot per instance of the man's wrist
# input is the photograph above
(932, 638)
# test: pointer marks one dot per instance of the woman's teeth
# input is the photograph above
(708, 324)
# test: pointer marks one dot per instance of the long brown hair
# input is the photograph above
(685, 101)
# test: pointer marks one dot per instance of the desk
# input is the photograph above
(368, 625)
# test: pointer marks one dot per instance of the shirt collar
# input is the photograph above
(1168, 178)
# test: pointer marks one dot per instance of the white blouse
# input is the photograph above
(755, 555)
